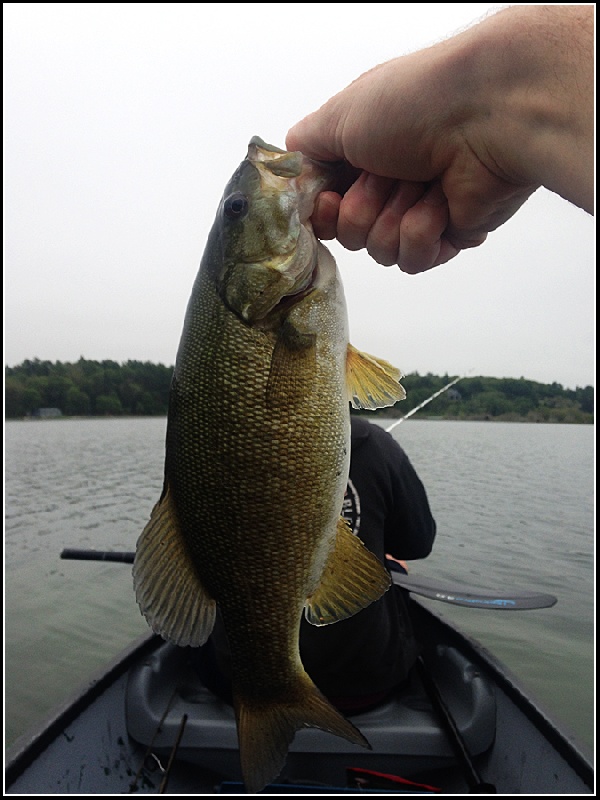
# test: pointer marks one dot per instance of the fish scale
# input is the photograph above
(257, 457)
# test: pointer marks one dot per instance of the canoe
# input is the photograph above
(147, 724)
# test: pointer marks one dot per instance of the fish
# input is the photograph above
(257, 457)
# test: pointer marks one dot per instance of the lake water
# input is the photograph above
(514, 505)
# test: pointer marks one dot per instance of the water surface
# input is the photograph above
(513, 503)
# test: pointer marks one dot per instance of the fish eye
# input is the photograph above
(235, 206)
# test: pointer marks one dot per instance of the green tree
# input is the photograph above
(141, 387)
(14, 401)
(77, 403)
(109, 405)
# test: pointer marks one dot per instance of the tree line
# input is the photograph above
(504, 399)
(87, 388)
(141, 388)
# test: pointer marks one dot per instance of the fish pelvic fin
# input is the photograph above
(372, 382)
(265, 732)
(167, 588)
(353, 578)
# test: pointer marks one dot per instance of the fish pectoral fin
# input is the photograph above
(266, 729)
(293, 367)
(167, 588)
(353, 578)
(372, 382)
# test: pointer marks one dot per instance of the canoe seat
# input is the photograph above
(404, 732)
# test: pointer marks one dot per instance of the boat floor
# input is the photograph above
(112, 738)
(97, 753)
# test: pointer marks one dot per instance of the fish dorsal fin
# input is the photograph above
(353, 578)
(167, 588)
(372, 382)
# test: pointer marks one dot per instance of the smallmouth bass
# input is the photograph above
(257, 458)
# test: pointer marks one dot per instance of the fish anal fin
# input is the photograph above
(353, 578)
(372, 382)
(265, 731)
(293, 367)
(167, 588)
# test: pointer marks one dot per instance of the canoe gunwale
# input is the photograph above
(510, 684)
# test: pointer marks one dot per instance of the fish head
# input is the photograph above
(268, 248)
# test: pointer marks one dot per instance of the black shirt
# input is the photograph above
(387, 507)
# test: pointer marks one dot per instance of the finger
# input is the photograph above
(427, 239)
(325, 215)
(383, 240)
(360, 207)
(421, 234)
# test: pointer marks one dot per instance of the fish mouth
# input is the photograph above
(308, 177)
(281, 269)
(337, 176)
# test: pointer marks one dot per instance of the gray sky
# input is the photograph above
(123, 123)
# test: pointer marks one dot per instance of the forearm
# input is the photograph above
(534, 96)
(452, 140)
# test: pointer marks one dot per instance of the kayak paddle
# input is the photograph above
(459, 596)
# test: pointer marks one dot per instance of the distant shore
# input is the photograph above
(107, 389)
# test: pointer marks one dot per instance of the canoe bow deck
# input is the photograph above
(119, 733)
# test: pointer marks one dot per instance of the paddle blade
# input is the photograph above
(474, 598)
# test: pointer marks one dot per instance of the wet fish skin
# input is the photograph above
(257, 457)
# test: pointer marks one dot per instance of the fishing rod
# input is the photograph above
(474, 780)
(424, 403)
(459, 596)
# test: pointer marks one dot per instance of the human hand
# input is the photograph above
(449, 142)
(398, 561)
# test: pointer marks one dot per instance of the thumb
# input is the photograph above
(316, 137)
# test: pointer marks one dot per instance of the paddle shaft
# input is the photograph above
(469, 598)
(97, 555)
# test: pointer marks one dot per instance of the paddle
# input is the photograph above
(474, 598)
(97, 555)
(460, 596)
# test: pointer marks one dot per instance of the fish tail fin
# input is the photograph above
(266, 731)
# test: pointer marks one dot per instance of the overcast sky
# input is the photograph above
(123, 123)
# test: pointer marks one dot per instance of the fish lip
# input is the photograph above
(308, 176)
(316, 177)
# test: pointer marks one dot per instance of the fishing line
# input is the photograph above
(424, 403)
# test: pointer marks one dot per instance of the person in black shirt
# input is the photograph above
(358, 661)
